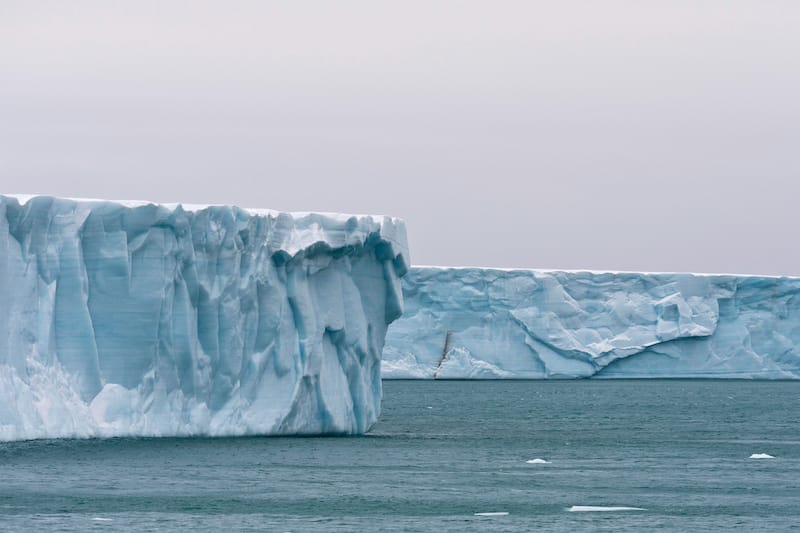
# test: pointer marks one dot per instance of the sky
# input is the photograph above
(655, 136)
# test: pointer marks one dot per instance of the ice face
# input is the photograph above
(487, 323)
(141, 319)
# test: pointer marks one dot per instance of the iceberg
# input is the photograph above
(138, 319)
(481, 323)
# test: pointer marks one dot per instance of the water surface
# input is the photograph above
(677, 450)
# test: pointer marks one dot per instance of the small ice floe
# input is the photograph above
(537, 461)
(762, 456)
(496, 513)
(101, 519)
(600, 509)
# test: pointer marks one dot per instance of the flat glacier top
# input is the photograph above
(258, 211)
(305, 230)
(600, 272)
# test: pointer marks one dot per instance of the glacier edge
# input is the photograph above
(486, 323)
(133, 318)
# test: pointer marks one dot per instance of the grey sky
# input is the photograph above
(607, 135)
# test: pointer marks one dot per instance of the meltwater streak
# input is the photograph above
(675, 448)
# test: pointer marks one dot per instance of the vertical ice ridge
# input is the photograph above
(144, 319)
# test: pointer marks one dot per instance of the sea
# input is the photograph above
(577, 455)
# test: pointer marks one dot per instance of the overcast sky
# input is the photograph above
(633, 135)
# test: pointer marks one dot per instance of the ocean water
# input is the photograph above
(443, 453)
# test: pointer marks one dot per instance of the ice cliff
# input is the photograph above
(487, 323)
(141, 319)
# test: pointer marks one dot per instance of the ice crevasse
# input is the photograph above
(492, 323)
(132, 318)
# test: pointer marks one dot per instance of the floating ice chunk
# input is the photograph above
(497, 513)
(537, 461)
(762, 456)
(600, 508)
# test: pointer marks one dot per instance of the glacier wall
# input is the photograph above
(152, 320)
(488, 323)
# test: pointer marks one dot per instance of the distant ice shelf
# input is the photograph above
(132, 318)
(476, 323)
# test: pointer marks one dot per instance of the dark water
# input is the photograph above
(442, 452)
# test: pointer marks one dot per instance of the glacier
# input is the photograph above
(483, 323)
(139, 319)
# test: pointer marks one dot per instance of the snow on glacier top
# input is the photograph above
(310, 228)
(258, 211)
(600, 272)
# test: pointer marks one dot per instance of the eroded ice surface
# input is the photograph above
(490, 323)
(140, 319)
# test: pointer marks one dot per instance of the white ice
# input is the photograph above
(482, 323)
(139, 319)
